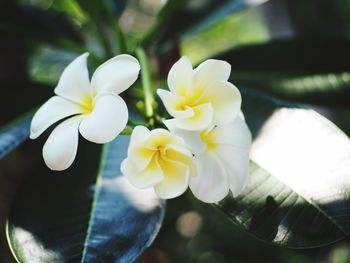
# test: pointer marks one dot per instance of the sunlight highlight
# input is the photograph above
(295, 145)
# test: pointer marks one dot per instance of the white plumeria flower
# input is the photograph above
(222, 158)
(158, 159)
(95, 108)
(201, 98)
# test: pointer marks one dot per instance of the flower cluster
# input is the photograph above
(207, 122)
(206, 145)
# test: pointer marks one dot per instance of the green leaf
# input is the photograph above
(312, 70)
(298, 190)
(330, 89)
(195, 15)
(14, 133)
(234, 30)
(321, 17)
(88, 213)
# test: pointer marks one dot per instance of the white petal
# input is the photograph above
(108, 118)
(161, 137)
(236, 134)
(138, 134)
(202, 118)
(172, 102)
(236, 163)
(175, 182)
(225, 99)
(211, 183)
(211, 70)
(182, 155)
(138, 154)
(55, 109)
(142, 179)
(115, 75)
(61, 147)
(191, 138)
(180, 77)
(234, 141)
(74, 81)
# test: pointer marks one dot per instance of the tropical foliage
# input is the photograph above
(291, 65)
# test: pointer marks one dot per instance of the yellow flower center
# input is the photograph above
(88, 105)
(209, 138)
(191, 98)
(160, 151)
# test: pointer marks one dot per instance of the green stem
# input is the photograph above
(146, 82)
(135, 123)
(127, 131)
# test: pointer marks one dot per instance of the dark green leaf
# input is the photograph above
(314, 70)
(178, 17)
(298, 193)
(322, 17)
(14, 134)
(235, 30)
(297, 55)
(88, 213)
(330, 89)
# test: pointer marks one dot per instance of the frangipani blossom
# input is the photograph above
(222, 158)
(95, 108)
(201, 98)
(158, 159)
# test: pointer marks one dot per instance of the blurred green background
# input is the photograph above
(297, 50)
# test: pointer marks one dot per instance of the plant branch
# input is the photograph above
(127, 131)
(146, 82)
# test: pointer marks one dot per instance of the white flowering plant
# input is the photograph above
(132, 127)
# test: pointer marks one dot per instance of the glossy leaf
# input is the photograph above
(314, 70)
(89, 213)
(14, 134)
(298, 193)
(329, 89)
(233, 31)
(194, 16)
